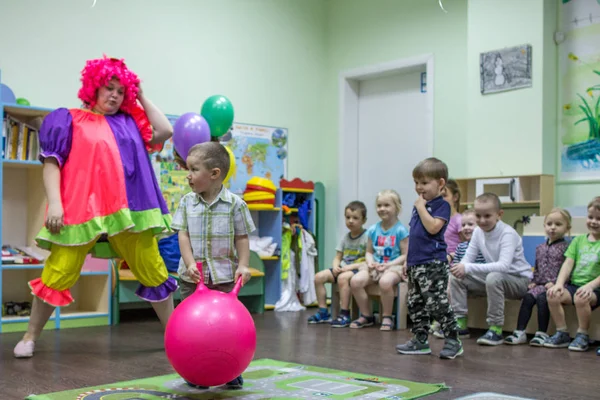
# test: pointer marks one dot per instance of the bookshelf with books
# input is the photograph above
(23, 210)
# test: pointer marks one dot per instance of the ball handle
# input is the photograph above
(238, 286)
(201, 286)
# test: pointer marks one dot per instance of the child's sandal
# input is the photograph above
(387, 326)
(356, 324)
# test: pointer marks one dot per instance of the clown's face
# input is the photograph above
(110, 97)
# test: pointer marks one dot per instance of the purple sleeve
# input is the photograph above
(452, 236)
(55, 136)
(442, 212)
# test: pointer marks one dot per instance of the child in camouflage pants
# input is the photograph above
(427, 263)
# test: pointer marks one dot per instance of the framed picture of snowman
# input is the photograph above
(505, 69)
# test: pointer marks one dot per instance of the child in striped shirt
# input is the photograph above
(469, 223)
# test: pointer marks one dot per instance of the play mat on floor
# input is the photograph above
(491, 396)
(264, 379)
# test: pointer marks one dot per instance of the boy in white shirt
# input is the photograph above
(505, 274)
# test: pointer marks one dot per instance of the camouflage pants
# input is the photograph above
(428, 297)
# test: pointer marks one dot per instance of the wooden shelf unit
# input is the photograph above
(268, 223)
(23, 210)
(535, 195)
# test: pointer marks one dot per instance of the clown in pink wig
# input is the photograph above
(103, 196)
(99, 72)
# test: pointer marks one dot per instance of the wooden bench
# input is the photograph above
(400, 301)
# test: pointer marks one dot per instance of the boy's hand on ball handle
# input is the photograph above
(193, 273)
(244, 272)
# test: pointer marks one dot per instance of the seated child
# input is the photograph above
(505, 274)
(386, 251)
(213, 226)
(468, 224)
(452, 235)
(349, 257)
(549, 257)
(578, 283)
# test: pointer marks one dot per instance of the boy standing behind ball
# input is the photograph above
(213, 226)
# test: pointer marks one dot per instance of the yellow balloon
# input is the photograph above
(231, 164)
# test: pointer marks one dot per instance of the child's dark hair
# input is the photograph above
(357, 206)
(213, 155)
(431, 168)
(490, 197)
(452, 186)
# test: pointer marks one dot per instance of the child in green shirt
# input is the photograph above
(578, 283)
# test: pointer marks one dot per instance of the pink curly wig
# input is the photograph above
(99, 72)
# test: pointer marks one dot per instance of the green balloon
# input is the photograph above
(23, 102)
(217, 110)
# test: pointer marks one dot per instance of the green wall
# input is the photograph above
(362, 33)
(267, 56)
(504, 130)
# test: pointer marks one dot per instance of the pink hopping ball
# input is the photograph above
(210, 338)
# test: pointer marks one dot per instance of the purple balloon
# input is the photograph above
(189, 129)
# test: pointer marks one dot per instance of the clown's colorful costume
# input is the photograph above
(109, 191)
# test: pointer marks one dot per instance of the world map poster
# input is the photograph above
(259, 151)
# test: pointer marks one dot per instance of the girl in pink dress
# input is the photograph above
(103, 196)
(452, 237)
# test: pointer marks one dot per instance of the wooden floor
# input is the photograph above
(75, 358)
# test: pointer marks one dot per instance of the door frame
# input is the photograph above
(349, 81)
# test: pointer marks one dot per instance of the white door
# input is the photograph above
(393, 136)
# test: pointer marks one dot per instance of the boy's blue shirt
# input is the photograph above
(424, 247)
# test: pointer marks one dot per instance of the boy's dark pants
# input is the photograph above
(187, 288)
(428, 297)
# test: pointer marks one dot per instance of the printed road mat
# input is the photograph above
(263, 379)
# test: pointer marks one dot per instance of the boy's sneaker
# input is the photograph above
(598, 351)
(539, 339)
(320, 318)
(518, 337)
(580, 343)
(558, 340)
(196, 386)
(342, 321)
(490, 338)
(452, 349)
(413, 346)
(237, 383)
